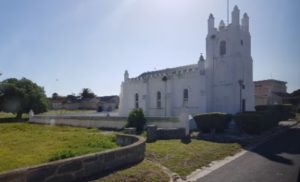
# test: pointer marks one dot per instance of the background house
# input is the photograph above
(75, 103)
(269, 92)
(109, 103)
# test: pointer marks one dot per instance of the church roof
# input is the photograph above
(168, 70)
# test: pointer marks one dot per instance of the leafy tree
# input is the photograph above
(55, 95)
(20, 96)
(136, 119)
(295, 97)
(87, 93)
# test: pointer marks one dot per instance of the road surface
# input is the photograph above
(277, 160)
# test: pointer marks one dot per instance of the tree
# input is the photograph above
(55, 95)
(87, 93)
(295, 97)
(21, 96)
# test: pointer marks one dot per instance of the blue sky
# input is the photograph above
(67, 45)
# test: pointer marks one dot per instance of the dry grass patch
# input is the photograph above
(144, 171)
(185, 158)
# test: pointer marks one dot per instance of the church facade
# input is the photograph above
(223, 82)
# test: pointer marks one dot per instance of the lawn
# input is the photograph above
(179, 157)
(144, 171)
(185, 158)
(23, 144)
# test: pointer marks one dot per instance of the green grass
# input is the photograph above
(24, 144)
(144, 171)
(175, 155)
(185, 158)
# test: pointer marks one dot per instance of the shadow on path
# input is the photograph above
(277, 147)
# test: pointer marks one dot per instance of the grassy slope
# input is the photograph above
(185, 158)
(144, 171)
(23, 144)
(175, 155)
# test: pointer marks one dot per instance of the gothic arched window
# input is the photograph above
(222, 47)
(158, 100)
(136, 100)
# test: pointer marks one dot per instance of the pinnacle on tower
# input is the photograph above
(221, 25)
(201, 58)
(235, 15)
(211, 23)
(126, 75)
(245, 22)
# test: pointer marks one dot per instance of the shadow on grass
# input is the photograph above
(12, 120)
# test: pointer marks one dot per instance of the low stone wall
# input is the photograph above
(103, 122)
(82, 167)
(154, 133)
(81, 121)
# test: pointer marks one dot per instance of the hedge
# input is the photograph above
(250, 123)
(281, 112)
(256, 122)
(212, 121)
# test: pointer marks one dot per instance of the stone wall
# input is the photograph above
(81, 121)
(154, 133)
(112, 122)
(82, 167)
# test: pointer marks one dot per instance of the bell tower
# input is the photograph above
(229, 78)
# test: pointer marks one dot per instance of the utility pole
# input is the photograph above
(164, 79)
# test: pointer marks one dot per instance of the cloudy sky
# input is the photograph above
(67, 45)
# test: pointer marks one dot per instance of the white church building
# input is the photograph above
(223, 82)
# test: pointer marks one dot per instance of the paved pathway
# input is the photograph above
(277, 160)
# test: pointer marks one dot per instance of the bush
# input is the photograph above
(256, 122)
(212, 121)
(278, 112)
(250, 122)
(136, 119)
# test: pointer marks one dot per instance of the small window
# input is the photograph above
(242, 42)
(136, 99)
(222, 48)
(185, 95)
(158, 100)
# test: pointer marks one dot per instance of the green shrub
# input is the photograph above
(256, 122)
(250, 122)
(278, 112)
(63, 154)
(298, 110)
(212, 121)
(136, 119)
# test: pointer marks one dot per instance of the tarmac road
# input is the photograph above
(277, 160)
